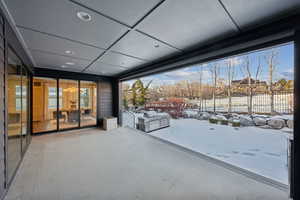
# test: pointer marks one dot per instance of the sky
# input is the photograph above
(284, 68)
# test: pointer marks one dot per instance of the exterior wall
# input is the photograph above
(105, 101)
(2, 110)
(8, 37)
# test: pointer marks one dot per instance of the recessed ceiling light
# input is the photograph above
(84, 16)
(63, 66)
(156, 45)
(70, 63)
(69, 52)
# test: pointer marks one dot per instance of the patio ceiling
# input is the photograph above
(123, 35)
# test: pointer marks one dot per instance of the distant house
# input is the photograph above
(244, 82)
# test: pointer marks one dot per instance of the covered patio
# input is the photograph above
(125, 164)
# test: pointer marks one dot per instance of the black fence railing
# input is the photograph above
(261, 103)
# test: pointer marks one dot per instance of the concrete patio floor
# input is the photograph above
(124, 164)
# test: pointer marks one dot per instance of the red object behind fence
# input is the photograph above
(173, 106)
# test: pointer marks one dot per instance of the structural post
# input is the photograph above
(117, 99)
(295, 168)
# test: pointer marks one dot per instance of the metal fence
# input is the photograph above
(261, 103)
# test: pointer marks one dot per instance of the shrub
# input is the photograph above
(236, 123)
(213, 120)
(224, 122)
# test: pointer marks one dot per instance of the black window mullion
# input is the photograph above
(79, 109)
(57, 104)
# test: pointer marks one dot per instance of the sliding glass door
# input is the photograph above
(17, 112)
(68, 113)
(44, 104)
(60, 104)
(88, 103)
(14, 128)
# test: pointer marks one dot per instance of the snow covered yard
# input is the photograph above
(262, 151)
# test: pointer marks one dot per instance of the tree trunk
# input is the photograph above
(271, 89)
(229, 99)
(214, 90)
(250, 96)
(229, 87)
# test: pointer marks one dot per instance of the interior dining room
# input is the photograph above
(57, 107)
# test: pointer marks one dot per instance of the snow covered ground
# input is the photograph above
(262, 151)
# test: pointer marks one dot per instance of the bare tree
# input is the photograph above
(230, 76)
(200, 88)
(271, 59)
(252, 81)
(214, 70)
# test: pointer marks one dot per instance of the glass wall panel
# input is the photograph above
(88, 103)
(68, 108)
(24, 102)
(44, 104)
(14, 100)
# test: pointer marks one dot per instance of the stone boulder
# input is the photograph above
(221, 117)
(246, 120)
(290, 123)
(276, 123)
(203, 116)
(259, 121)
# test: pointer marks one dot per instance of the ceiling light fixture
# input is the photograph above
(156, 45)
(70, 63)
(63, 66)
(69, 52)
(86, 17)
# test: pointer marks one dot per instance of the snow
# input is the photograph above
(259, 150)
(262, 151)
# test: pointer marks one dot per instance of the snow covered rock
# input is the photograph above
(203, 116)
(276, 123)
(246, 121)
(290, 124)
(259, 121)
(221, 117)
(190, 114)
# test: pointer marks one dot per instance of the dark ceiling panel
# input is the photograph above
(128, 11)
(51, 61)
(55, 45)
(184, 24)
(120, 60)
(59, 17)
(142, 46)
(104, 69)
(257, 12)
